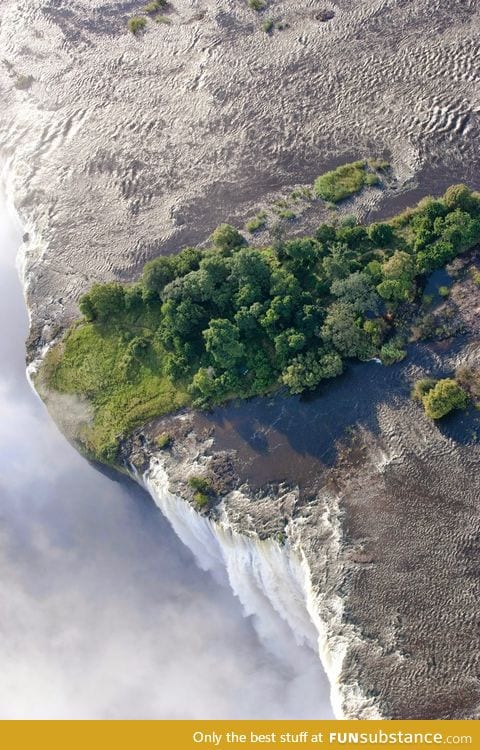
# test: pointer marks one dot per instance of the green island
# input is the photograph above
(208, 325)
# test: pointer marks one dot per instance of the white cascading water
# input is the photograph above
(271, 582)
(274, 585)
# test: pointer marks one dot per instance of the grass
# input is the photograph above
(347, 180)
(163, 19)
(91, 364)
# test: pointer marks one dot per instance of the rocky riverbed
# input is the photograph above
(121, 147)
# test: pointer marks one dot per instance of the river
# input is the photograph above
(104, 613)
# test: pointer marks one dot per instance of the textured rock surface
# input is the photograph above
(390, 532)
(125, 146)
(122, 147)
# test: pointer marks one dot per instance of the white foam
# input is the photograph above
(272, 581)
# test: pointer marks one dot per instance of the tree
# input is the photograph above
(342, 328)
(133, 298)
(357, 290)
(300, 254)
(399, 274)
(103, 302)
(223, 344)
(227, 238)
(187, 260)
(443, 398)
(288, 343)
(375, 328)
(204, 386)
(432, 208)
(435, 256)
(381, 234)
(459, 196)
(326, 233)
(157, 273)
(337, 264)
(391, 352)
(87, 308)
(307, 370)
(260, 370)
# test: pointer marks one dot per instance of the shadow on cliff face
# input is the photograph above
(104, 613)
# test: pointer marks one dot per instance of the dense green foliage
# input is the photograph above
(440, 397)
(233, 320)
(344, 181)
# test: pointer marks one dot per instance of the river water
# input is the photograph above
(103, 612)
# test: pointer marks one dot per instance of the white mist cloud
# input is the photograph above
(103, 613)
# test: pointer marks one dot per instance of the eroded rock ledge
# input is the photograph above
(389, 533)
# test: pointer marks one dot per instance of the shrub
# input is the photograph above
(422, 387)
(137, 24)
(443, 398)
(391, 353)
(379, 164)
(372, 179)
(258, 222)
(476, 276)
(287, 214)
(163, 19)
(469, 379)
(443, 291)
(227, 238)
(201, 499)
(154, 6)
(163, 441)
(342, 182)
(257, 5)
(200, 484)
(268, 26)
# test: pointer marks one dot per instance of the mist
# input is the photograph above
(103, 611)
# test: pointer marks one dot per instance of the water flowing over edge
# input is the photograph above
(260, 571)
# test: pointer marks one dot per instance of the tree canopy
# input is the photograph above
(235, 320)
